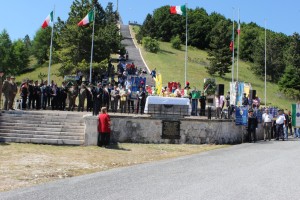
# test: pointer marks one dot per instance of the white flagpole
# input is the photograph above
(238, 48)
(265, 63)
(186, 39)
(50, 57)
(92, 48)
(232, 70)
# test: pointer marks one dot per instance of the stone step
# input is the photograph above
(45, 117)
(41, 132)
(42, 141)
(52, 129)
(50, 136)
(10, 125)
(33, 122)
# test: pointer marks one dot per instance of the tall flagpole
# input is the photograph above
(238, 48)
(186, 39)
(92, 48)
(50, 57)
(232, 70)
(265, 63)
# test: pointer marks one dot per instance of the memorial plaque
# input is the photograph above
(170, 129)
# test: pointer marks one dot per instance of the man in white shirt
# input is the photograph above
(267, 123)
(280, 120)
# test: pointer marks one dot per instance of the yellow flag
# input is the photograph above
(158, 84)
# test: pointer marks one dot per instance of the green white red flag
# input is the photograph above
(178, 10)
(47, 21)
(87, 19)
(239, 28)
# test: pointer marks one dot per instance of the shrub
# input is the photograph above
(176, 42)
(150, 44)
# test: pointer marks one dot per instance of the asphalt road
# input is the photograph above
(264, 170)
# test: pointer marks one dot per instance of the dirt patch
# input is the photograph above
(23, 165)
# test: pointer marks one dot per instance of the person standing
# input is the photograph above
(30, 95)
(97, 95)
(218, 106)
(245, 101)
(82, 97)
(6, 88)
(114, 98)
(24, 94)
(104, 124)
(280, 120)
(123, 99)
(13, 92)
(73, 93)
(252, 125)
(130, 100)
(267, 124)
(202, 104)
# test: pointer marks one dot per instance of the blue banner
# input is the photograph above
(241, 116)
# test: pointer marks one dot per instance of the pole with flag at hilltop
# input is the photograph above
(182, 10)
(47, 21)
(90, 17)
(232, 49)
(238, 46)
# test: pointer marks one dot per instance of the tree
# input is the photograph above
(219, 54)
(289, 82)
(276, 46)
(5, 52)
(41, 44)
(20, 55)
(150, 45)
(75, 42)
(199, 26)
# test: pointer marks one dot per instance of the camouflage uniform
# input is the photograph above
(82, 97)
(6, 90)
(73, 93)
(12, 93)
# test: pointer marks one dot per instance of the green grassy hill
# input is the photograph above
(170, 63)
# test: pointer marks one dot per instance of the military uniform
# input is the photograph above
(0, 89)
(82, 97)
(73, 93)
(6, 88)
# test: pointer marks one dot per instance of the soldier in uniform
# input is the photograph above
(141, 95)
(13, 92)
(44, 90)
(73, 93)
(81, 96)
(202, 104)
(89, 98)
(6, 90)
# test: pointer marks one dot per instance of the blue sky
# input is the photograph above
(21, 17)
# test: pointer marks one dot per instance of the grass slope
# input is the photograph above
(170, 63)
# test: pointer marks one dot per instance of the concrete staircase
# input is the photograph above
(42, 127)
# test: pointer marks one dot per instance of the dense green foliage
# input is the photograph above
(14, 56)
(150, 44)
(176, 42)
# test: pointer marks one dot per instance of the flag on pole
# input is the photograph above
(87, 19)
(158, 84)
(47, 21)
(239, 28)
(296, 115)
(231, 46)
(178, 10)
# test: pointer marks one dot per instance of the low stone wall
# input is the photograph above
(141, 129)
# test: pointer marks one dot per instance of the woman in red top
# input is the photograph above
(104, 128)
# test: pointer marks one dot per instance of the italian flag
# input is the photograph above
(87, 19)
(178, 10)
(48, 19)
(239, 28)
(296, 115)
(231, 46)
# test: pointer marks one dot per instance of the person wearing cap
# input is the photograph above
(81, 96)
(73, 93)
(13, 92)
(280, 121)
(6, 88)
(252, 125)
(267, 124)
